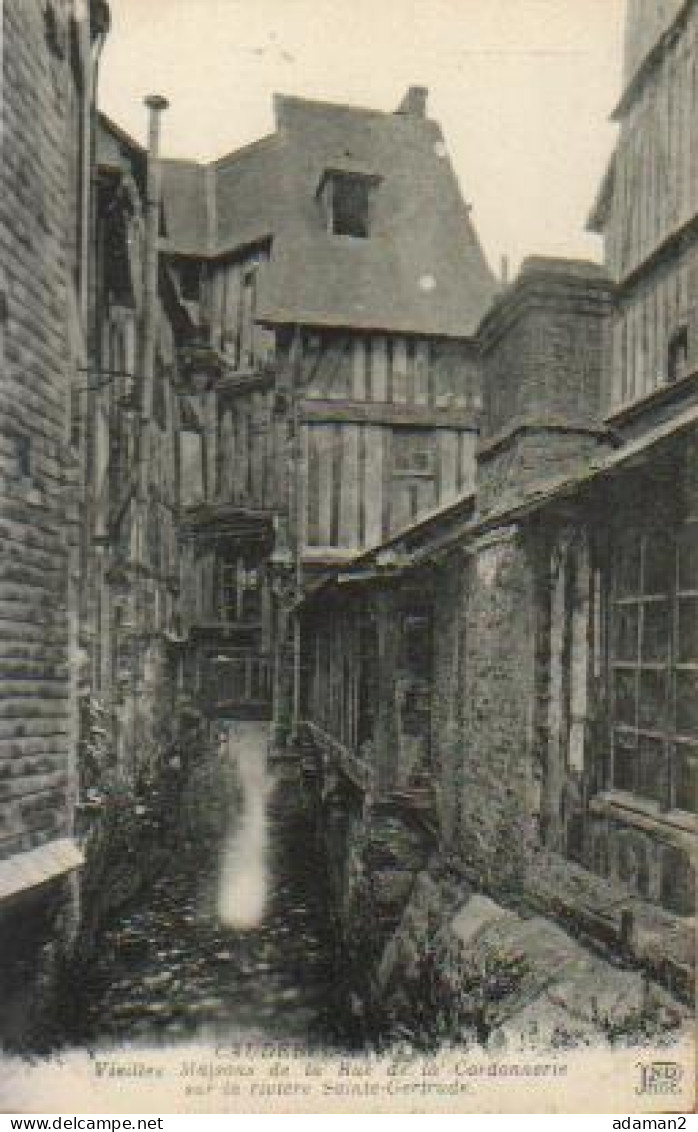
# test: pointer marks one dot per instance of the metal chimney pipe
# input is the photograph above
(156, 104)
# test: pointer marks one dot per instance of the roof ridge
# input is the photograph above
(328, 104)
(249, 147)
(190, 162)
(120, 132)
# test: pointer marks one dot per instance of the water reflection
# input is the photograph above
(220, 944)
(244, 875)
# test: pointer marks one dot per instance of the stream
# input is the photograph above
(242, 948)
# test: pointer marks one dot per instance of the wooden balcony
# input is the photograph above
(237, 683)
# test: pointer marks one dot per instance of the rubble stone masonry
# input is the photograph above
(496, 777)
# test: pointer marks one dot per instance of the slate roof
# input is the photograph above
(188, 219)
(421, 270)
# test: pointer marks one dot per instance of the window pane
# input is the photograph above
(626, 618)
(625, 696)
(687, 703)
(628, 566)
(624, 762)
(688, 629)
(659, 563)
(688, 557)
(652, 706)
(652, 767)
(655, 631)
(686, 764)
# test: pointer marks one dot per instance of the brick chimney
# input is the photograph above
(414, 104)
(542, 348)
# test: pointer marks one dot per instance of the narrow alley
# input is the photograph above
(348, 586)
(240, 948)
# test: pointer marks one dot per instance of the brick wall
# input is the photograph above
(37, 207)
(542, 351)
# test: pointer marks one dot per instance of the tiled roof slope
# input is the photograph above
(188, 214)
(421, 269)
(249, 194)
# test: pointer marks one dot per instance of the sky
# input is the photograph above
(523, 90)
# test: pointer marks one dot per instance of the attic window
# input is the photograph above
(347, 198)
(677, 359)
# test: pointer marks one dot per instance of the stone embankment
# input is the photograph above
(462, 967)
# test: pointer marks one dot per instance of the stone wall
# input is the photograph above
(496, 786)
(462, 967)
(373, 852)
(446, 694)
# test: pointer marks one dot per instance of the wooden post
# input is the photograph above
(556, 753)
(297, 509)
(386, 717)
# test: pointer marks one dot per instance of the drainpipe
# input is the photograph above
(155, 104)
(299, 504)
(100, 24)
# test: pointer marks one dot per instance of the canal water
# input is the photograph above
(240, 946)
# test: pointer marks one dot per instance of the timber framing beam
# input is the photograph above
(382, 412)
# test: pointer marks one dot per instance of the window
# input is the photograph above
(229, 592)
(190, 280)
(191, 467)
(654, 665)
(348, 204)
(153, 536)
(240, 593)
(160, 394)
(677, 359)
(23, 462)
(246, 317)
(413, 452)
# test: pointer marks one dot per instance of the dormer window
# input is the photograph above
(346, 199)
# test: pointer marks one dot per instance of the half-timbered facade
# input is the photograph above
(647, 208)
(558, 733)
(130, 420)
(334, 382)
